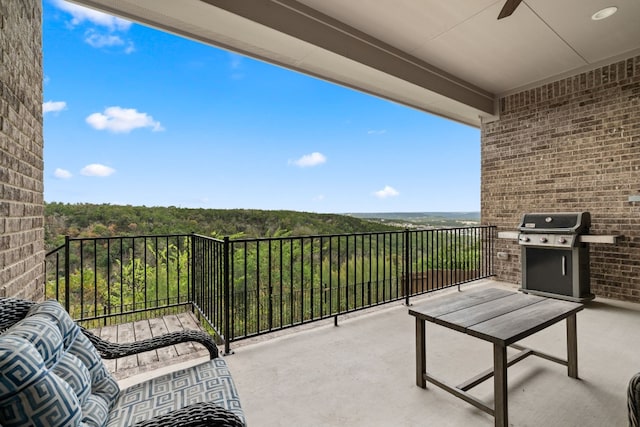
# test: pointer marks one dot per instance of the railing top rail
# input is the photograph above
(475, 227)
(254, 239)
(368, 233)
(53, 251)
(313, 236)
(215, 239)
(136, 236)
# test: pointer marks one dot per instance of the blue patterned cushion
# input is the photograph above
(95, 411)
(68, 358)
(30, 395)
(76, 343)
(55, 312)
(42, 334)
(75, 373)
(103, 384)
(210, 381)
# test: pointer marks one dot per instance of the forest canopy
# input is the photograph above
(106, 220)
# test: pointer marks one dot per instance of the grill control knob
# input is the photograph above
(524, 239)
(562, 240)
(543, 240)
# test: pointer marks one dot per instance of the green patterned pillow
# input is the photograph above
(30, 394)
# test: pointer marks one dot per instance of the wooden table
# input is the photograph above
(501, 317)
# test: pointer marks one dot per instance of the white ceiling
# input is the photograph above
(452, 58)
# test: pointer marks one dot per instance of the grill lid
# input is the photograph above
(556, 222)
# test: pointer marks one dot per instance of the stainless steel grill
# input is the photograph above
(555, 262)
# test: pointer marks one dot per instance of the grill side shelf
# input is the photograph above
(582, 238)
(603, 238)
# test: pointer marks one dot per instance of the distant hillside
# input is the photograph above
(422, 219)
(90, 220)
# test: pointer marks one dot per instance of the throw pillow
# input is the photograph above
(31, 395)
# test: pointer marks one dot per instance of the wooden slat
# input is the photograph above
(126, 334)
(158, 327)
(173, 324)
(109, 333)
(470, 316)
(519, 324)
(142, 331)
(188, 322)
(129, 332)
(440, 306)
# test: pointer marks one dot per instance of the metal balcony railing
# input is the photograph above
(248, 287)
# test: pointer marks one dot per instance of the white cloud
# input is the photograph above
(96, 169)
(376, 132)
(81, 14)
(309, 160)
(319, 198)
(99, 40)
(387, 191)
(122, 120)
(53, 106)
(62, 174)
(96, 39)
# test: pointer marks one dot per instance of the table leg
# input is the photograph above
(572, 346)
(500, 385)
(421, 354)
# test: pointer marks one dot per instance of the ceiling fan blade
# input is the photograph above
(508, 8)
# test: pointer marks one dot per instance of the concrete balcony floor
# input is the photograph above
(362, 373)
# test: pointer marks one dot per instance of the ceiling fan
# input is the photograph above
(508, 8)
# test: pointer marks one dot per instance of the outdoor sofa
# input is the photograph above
(633, 401)
(52, 374)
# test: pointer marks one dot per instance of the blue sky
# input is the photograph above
(136, 116)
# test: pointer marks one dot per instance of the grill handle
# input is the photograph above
(564, 265)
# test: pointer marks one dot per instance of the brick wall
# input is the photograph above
(21, 145)
(571, 145)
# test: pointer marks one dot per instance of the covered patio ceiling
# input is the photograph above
(451, 58)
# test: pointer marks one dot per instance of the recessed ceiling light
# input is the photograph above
(604, 13)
